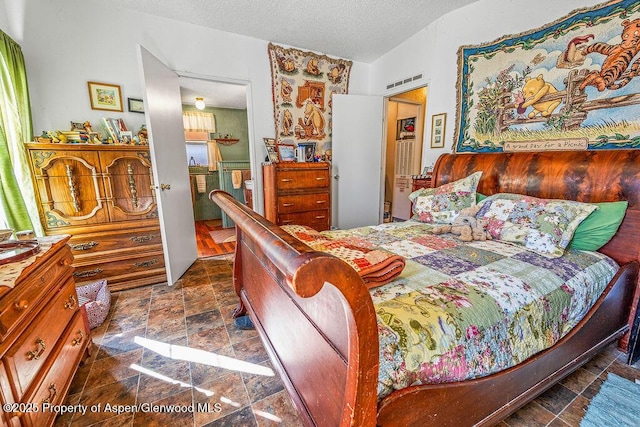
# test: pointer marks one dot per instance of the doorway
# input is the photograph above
(226, 117)
(403, 153)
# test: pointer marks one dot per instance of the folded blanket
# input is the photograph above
(374, 265)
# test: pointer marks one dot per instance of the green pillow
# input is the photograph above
(599, 227)
(480, 197)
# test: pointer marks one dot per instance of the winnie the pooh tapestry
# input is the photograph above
(573, 84)
(302, 84)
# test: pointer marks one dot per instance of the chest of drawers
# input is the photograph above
(102, 196)
(44, 336)
(298, 193)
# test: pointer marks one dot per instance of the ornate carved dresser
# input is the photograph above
(44, 334)
(102, 196)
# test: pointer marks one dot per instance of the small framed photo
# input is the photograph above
(286, 152)
(77, 126)
(309, 150)
(438, 123)
(126, 137)
(135, 105)
(270, 145)
(105, 96)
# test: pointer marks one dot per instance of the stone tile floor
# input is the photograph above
(178, 346)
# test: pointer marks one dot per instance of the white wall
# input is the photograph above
(433, 51)
(69, 42)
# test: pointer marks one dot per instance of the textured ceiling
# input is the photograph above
(360, 30)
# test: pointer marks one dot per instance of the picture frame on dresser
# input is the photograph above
(309, 150)
(270, 146)
(286, 152)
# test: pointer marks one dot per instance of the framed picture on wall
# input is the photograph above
(136, 105)
(104, 96)
(438, 122)
(286, 152)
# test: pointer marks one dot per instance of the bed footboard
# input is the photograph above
(314, 316)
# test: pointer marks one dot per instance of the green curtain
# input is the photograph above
(17, 197)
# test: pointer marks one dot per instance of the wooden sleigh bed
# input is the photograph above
(317, 320)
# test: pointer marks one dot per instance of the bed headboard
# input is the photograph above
(585, 176)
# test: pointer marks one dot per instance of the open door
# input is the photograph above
(357, 160)
(163, 108)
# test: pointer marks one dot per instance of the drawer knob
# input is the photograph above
(53, 391)
(321, 216)
(320, 202)
(71, 302)
(320, 178)
(65, 262)
(40, 348)
(286, 180)
(287, 221)
(78, 339)
(286, 205)
(22, 304)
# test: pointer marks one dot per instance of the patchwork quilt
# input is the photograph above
(374, 265)
(466, 310)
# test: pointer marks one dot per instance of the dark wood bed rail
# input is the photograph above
(310, 323)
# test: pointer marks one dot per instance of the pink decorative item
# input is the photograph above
(96, 299)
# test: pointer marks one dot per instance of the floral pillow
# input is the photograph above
(545, 226)
(442, 205)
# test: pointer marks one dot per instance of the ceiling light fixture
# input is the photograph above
(200, 103)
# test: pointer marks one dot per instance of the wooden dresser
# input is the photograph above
(43, 334)
(102, 196)
(298, 193)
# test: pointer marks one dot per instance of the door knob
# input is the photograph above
(336, 176)
(165, 186)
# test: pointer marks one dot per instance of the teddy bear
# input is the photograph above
(466, 226)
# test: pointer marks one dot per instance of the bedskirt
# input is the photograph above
(466, 310)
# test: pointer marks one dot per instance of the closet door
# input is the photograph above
(358, 157)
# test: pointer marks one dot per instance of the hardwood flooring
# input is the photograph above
(206, 246)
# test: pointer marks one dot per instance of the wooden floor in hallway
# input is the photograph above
(207, 247)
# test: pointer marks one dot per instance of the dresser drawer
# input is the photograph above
(303, 202)
(118, 240)
(18, 303)
(31, 351)
(54, 385)
(122, 268)
(297, 180)
(318, 220)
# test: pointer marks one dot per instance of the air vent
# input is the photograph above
(404, 81)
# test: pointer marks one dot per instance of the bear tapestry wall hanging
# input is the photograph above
(573, 84)
(302, 84)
